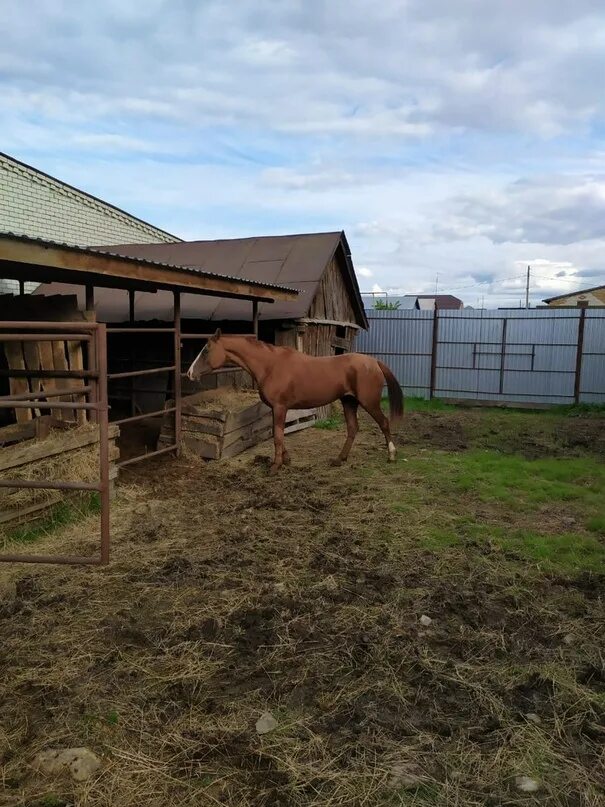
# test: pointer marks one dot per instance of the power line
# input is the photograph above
(567, 279)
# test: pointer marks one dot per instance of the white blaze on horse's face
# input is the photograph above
(211, 357)
(199, 366)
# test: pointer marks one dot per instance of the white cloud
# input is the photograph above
(445, 137)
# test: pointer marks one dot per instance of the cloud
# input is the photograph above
(406, 70)
(363, 271)
(446, 137)
(552, 210)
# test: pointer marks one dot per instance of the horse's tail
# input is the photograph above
(395, 393)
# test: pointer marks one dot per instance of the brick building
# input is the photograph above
(36, 204)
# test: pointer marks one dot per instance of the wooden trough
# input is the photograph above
(218, 424)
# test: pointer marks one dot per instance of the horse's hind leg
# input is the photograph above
(371, 403)
(279, 422)
(349, 406)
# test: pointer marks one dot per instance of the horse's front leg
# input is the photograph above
(279, 422)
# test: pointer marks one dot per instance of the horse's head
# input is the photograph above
(211, 357)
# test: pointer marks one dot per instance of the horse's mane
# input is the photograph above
(254, 340)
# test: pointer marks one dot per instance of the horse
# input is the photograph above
(288, 379)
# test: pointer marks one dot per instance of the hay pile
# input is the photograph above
(80, 464)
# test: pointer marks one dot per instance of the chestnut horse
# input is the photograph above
(288, 379)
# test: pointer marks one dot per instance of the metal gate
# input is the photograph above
(92, 335)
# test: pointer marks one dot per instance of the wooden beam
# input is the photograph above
(313, 321)
(77, 263)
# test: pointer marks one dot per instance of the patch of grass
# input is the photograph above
(332, 423)
(417, 404)
(578, 410)
(61, 515)
(509, 478)
(52, 800)
(597, 524)
(567, 552)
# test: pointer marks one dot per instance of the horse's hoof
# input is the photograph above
(274, 469)
(336, 463)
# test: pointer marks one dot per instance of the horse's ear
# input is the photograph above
(217, 334)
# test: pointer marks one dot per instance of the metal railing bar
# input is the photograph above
(144, 416)
(42, 395)
(140, 330)
(45, 337)
(135, 373)
(85, 327)
(45, 484)
(49, 374)
(141, 457)
(63, 560)
(48, 404)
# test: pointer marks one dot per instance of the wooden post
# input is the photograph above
(90, 298)
(255, 317)
(177, 372)
(579, 355)
(503, 354)
(434, 344)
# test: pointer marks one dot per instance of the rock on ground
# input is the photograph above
(80, 762)
(266, 723)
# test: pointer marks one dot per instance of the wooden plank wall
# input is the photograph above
(332, 299)
(44, 355)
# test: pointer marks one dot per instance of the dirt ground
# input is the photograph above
(231, 594)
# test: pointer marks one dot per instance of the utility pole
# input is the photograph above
(436, 282)
(527, 289)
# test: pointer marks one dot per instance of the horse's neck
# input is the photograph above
(249, 354)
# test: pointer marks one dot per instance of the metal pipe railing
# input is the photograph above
(94, 333)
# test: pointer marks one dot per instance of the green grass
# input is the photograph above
(486, 498)
(61, 515)
(567, 553)
(597, 524)
(417, 404)
(52, 800)
(509, 478)
(330, 424)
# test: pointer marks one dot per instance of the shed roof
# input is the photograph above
(43, 261)
(297, 261)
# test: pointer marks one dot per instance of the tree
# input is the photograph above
(387, 305)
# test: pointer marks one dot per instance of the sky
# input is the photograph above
(455, 141)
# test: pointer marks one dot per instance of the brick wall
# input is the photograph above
(32, 203)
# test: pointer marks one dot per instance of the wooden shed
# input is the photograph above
(322, 321)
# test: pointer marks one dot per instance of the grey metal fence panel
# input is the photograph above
(509, 355)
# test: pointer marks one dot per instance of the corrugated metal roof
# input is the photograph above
(135, 259)
(296, 260)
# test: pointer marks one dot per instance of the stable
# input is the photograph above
(54, 357)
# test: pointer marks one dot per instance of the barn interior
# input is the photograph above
(49, 382)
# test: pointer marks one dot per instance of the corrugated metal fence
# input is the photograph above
(544, 356)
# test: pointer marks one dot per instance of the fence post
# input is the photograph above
(503, 355)
(579, 354)
(434, 352)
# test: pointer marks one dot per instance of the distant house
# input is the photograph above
(585, 297)
(441, 301)
(419, 302)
